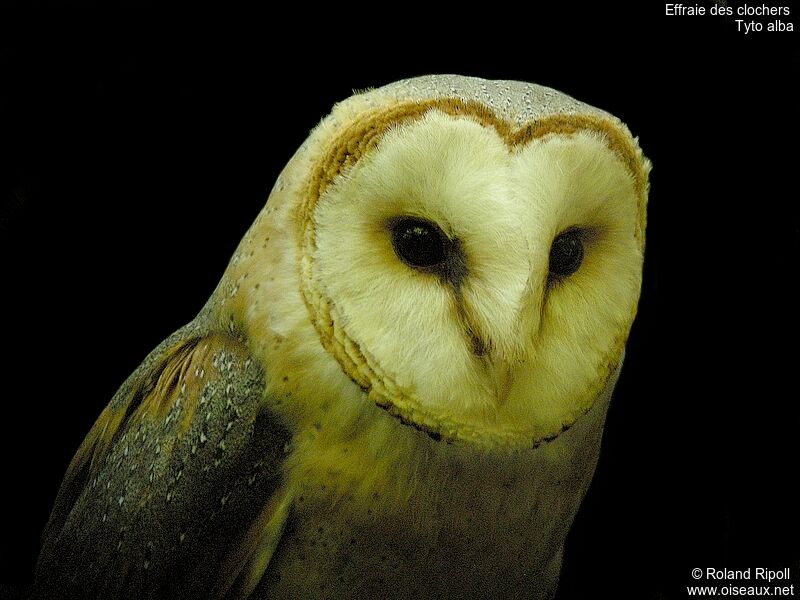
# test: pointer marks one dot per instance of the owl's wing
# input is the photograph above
(176, 491)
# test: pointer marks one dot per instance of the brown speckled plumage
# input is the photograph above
(156, 514)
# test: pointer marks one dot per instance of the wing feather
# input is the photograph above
(176, 490)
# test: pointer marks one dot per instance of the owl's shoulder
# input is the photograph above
(171, 478)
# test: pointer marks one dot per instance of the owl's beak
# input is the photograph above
(501, 354)
(503, 337)
(497, 366)
(503, 381)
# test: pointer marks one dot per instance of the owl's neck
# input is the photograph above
(377, 503)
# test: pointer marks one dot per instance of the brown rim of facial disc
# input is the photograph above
(363, 135)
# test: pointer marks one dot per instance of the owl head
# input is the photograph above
(467, 254)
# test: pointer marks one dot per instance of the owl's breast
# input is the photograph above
(389, 512)
(347, 557)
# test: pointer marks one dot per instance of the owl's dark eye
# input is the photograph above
(418, 243)
(566, 253)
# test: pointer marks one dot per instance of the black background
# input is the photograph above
(133, 163)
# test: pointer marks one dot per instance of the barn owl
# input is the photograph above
(399, 386)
